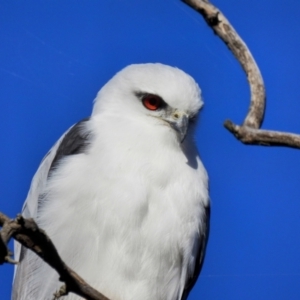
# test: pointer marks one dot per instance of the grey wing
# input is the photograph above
(200, 256)
(73, 141)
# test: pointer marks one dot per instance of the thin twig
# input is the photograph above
(248, 132)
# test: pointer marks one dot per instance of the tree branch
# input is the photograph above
(248, 132)
(252, 136)
(26, 232)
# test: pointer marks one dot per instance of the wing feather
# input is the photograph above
(73, 141)
(200, 256)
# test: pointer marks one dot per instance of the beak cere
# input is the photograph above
(180, 123)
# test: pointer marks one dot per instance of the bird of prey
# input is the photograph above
(123, 194)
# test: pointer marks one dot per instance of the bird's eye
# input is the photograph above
(152, 102)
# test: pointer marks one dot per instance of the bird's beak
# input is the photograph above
(179, 121)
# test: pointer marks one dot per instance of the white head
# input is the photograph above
(160, 92)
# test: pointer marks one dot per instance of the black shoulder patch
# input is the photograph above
(75, 142)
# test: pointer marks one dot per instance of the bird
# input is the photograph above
(123, 194)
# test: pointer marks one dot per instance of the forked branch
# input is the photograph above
(248, 132)
(26, 232)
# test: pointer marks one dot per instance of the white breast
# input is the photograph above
(127, 214)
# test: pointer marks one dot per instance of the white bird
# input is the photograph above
(123, 194)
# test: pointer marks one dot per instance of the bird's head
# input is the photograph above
(167, 95)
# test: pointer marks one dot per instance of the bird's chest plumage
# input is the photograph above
(139, 210)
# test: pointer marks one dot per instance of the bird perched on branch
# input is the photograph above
(123, 194)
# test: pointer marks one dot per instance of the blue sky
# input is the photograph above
(55, 56)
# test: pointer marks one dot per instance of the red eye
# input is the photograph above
(152, 102)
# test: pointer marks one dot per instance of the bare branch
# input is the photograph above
(253, 136)
(26, 232)
(221, 26)
(5, 235)
(249, 132)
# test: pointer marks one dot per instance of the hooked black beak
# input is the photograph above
(180, 123)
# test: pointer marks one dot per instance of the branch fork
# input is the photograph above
(249, 132)
(27, 232)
